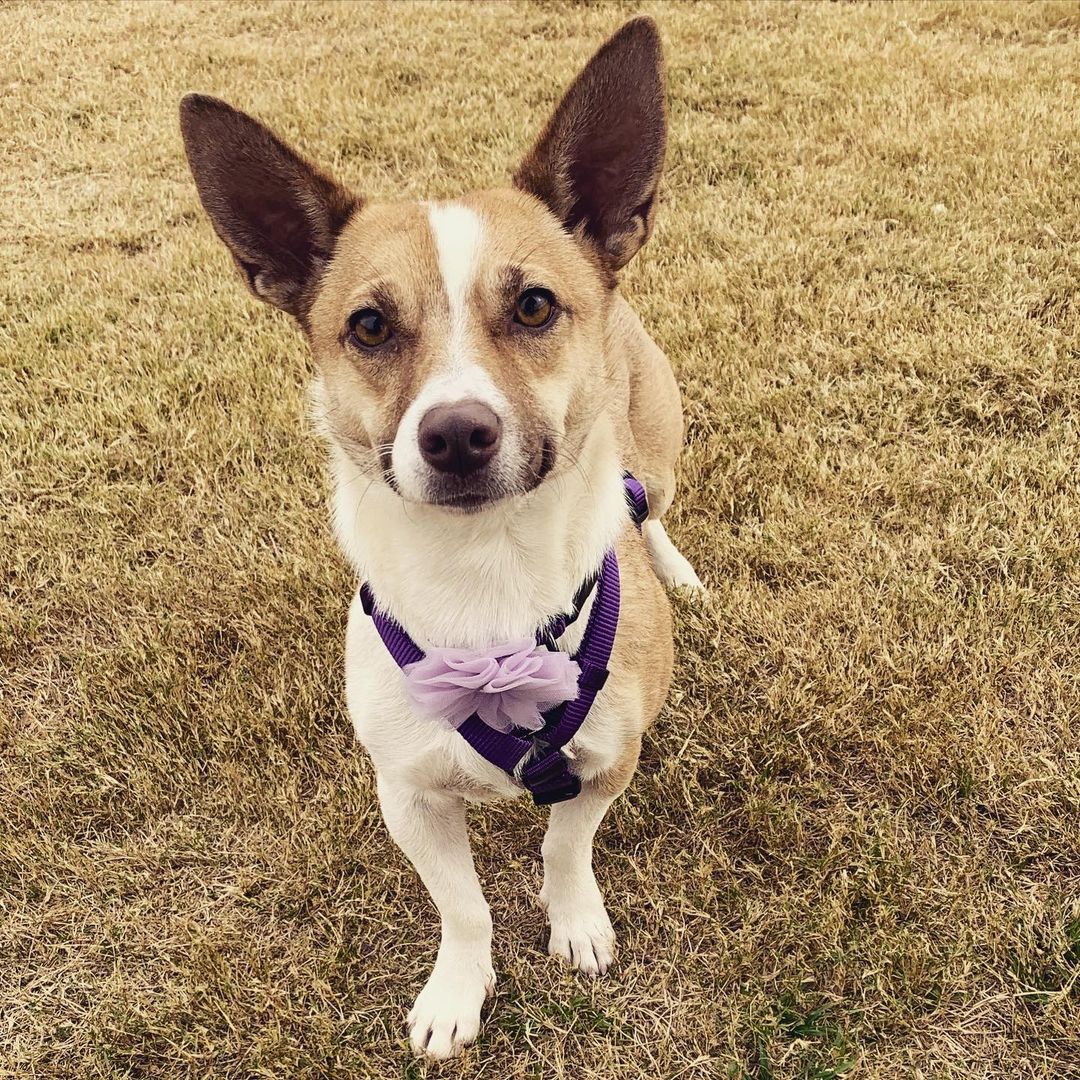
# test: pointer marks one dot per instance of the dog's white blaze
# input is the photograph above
(459, 236)
(458, 232)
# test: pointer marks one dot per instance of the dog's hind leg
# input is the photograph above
(656, 431)
(430, 828)
(671, 565)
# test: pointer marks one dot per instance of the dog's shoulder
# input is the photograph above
(627, 336)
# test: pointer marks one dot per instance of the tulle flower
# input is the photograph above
(507, 685)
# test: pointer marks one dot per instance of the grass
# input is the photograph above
(853, 849)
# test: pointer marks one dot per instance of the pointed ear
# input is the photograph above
(278, 215)
(597, 163)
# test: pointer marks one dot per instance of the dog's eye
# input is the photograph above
(368, 328)
(534, 308)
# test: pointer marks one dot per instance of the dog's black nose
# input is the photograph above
(459, 438)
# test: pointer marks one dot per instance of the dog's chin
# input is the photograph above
(470, 498)
(467, 505)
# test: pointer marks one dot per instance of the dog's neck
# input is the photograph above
(457, 580)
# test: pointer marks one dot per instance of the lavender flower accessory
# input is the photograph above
(508, 685)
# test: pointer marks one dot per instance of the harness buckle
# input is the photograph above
(549, 778)
(592, 678)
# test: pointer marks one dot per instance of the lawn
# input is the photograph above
(853, 847)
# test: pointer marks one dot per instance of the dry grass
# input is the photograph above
(854, 847)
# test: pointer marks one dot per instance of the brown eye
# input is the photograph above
(368, 328)
(534, 308)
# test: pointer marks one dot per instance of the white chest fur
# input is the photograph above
(469, 580)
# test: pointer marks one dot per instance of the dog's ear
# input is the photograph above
(278, 214)
(597, 163)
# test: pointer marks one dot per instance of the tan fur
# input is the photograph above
(655, 409)
(642, 660)
(385, 255)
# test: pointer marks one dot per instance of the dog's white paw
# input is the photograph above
(671, 565)
(446, 1016)
(584, 938)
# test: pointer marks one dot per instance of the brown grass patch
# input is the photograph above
(854, 849)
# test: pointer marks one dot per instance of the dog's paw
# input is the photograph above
(446, 1016)
(584, 938)
(692, 586)
(671, 565)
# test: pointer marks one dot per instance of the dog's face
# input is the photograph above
(458, 343)
(455, 340)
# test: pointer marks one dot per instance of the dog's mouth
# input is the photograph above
(475, 493)
(465, 502)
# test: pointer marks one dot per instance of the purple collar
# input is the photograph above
(545, 769)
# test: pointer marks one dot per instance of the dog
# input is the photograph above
(483, 388)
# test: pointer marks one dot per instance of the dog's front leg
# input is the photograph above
(430, 828)
(581, 931)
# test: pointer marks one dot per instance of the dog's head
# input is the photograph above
(458, 343)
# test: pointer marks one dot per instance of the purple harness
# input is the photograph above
(546, 772)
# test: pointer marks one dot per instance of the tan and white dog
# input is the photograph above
(482, 386)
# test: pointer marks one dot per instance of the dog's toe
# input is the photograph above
(440, 1040)
(446, 1016)
(586, 943)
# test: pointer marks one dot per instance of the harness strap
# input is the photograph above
(398, 644)
(636, 499)
(548, 774)
(593, 654)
